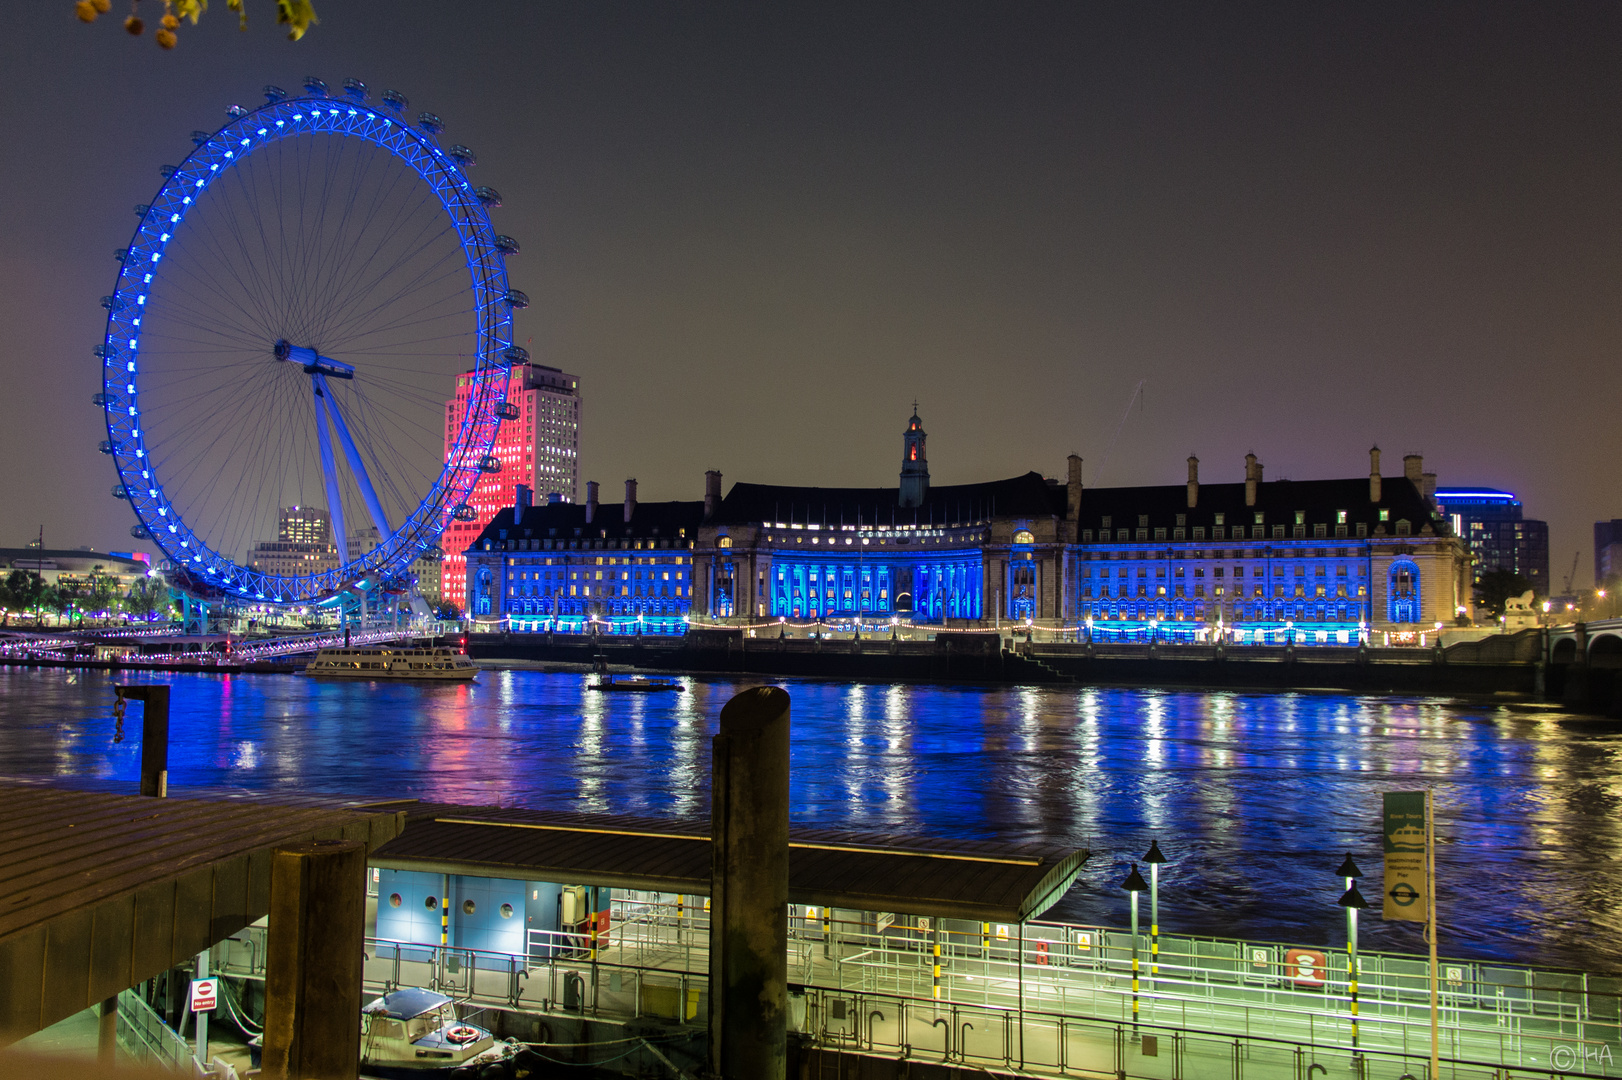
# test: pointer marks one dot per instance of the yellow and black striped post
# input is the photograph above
(1154, 858)
(1351, 900)
(827, 930)
(935, 978)
(679, 899)
(1134, 884)
(445, 912)
(985, 941)
(591, 896)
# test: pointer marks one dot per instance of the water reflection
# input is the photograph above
(1253, 797)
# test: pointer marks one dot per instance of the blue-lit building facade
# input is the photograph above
(1311, 562)
(584, 568)
(1491, 524)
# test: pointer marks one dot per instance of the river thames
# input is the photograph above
(1254, 797)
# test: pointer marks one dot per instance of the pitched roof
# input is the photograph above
(664, 520)
(1318, 501)
(1029, 495)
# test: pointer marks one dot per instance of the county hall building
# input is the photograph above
(1315, 561)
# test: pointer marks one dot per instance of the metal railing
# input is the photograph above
(1062, 985)
(145, 1037)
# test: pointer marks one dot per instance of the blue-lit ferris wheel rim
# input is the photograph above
(484, 252)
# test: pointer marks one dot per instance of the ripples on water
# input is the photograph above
(1254, 797)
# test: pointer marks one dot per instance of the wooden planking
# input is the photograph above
(100, 890)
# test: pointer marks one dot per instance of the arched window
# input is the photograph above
(1024, 536)
(1402, 592)
(725, 541)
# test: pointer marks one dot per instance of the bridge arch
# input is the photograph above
(1605, 651)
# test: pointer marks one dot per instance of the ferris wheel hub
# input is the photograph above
(313, 362)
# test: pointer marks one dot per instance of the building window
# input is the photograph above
(1402, 592)
(1024, 536)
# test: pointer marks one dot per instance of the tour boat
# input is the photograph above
(415, 1034)
(385, 662)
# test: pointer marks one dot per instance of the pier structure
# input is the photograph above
(565, 929)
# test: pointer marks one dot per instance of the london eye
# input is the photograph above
(313, 312)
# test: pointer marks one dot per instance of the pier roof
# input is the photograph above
(865, 871)
(99, 890)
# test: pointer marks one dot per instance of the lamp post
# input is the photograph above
(1134, 884)
(1351, 900)
(1154, 857)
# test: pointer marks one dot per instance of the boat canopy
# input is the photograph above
(406, 1004)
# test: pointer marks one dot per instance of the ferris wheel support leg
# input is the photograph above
(358, 468)
(329, 468)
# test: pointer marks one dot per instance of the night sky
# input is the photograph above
(758, 232)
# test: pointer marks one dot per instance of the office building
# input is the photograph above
(1491, 525)
(303, 545)
(1607, 551)
(538, 448)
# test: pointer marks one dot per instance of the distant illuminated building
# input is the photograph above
(1309, 562)
(1489, 521)
(539, 448)
(1607, 551)
(303, 545)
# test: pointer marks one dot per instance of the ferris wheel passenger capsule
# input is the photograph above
(462, 156)
(198, 138)
(506, 244)
(489, 196)
(489, 463)
(463, 512)
(396, 100)
(516, 355)
(314, 86)
(517, 300)
(430, 123)
(355, 89)
(273, 94)
(507, 411)
(236, 112)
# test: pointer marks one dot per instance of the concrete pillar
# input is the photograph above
(313, 961)
(749, 888)
(154, 737)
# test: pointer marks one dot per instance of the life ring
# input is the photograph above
(462, 1034)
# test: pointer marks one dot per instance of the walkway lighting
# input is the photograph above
(1134, 884)
(1351, 900)
(1154, 857)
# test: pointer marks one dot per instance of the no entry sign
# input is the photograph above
(205, 995)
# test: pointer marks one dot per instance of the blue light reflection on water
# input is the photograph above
(1254, 797)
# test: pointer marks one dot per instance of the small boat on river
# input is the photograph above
(635, 685)
(415, 1034)
(386, 662)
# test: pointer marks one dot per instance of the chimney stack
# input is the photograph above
(521, 500)
(1413, 467)
(591, 500)
(1193, 481)
(1428, 487)
(630, 500)
(1253, 477)
(712, 493)
(1374, 474)
(553, 497)
(1073, 501)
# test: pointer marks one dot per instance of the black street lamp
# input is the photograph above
(1154, 857)
(1351, 900)
(1134, 884)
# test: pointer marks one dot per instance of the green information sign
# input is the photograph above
(1405, 842)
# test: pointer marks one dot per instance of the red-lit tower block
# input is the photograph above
(539, 448)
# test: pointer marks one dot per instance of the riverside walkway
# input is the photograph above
(1055, 1000)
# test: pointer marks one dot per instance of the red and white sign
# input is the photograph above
(1306, 967)
(205, 995)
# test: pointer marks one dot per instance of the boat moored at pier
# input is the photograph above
(438, 664)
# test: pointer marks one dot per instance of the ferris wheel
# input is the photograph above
(313, 314)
